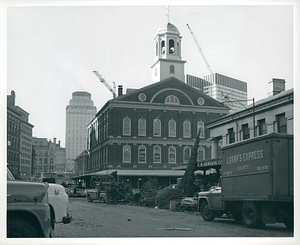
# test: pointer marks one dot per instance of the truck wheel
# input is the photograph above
(18, 228)
(206, 213)
(88, 197)
(252, 216)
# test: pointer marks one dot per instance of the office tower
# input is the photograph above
(79, 113)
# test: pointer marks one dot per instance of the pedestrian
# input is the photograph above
(108, 195)
(114, 194)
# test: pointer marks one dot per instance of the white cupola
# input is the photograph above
(167, 61)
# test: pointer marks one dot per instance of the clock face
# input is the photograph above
(142, 97)
(201, 101)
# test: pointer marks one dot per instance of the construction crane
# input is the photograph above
(111, 89)
(201, 52)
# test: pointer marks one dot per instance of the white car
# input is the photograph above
(58, 201)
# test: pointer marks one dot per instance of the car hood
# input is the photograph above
(21, 191)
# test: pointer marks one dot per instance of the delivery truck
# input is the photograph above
(256, 184)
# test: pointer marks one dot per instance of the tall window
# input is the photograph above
(171, 46)
(200, 154)
(142, 154)
(231, 136)
(200, 126)
(262, 127)
(142, 127)
(186, 129)
(157, 154)
(156, 127)
(186, 154)
(172, 154)
(172, 128)
(172, 69)
(163, 48)
(281, 123)
(126, 126)
(126, 154)
(246, 131)
(172, 99)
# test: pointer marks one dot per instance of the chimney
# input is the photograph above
(278, 85)
(120, 90)
(54, 140)
(11, 99)
(59, 143)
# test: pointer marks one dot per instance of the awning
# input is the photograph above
(135, 173)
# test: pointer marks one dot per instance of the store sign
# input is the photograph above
(210, 163)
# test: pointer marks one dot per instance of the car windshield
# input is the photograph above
(9, 175)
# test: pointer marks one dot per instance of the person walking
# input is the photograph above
(114, 194)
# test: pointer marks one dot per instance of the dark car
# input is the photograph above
(28, 211)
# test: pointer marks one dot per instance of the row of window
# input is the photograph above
(172, 132)
(262, 128)
(142, 152)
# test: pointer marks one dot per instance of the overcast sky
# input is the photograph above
(52, 51)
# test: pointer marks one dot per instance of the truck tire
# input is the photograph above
(252, 216)
(18, 228)
(206, 213)
(88, 197)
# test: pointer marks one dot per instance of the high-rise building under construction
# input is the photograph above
(229, 91)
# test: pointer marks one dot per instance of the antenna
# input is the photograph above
(168, 14)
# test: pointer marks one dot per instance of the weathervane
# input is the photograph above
(168, 15)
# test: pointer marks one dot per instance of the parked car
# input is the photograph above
(28, 210)
(189, 203)
(58, 201)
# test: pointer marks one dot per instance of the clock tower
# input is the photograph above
(167, 61)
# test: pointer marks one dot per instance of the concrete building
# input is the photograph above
(25, 136)
(79, 113)
(229, 91)
(50, 157)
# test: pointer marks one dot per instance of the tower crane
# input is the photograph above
(111, 89)
(201, 52)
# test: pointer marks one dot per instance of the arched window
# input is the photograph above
(142, 127)
(157, 154)
(126, 154)
(51, 160)
(172, 99)
(200, 125)
(126, 126)
(142, 154)
(163, 48)
(200, 154)
(172, 69)
(171, 46)
(156, 127)
(172, 154)
(172, 128)
(186, 154)
(186, 129)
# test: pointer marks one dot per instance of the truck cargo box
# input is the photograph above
(259, 168)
